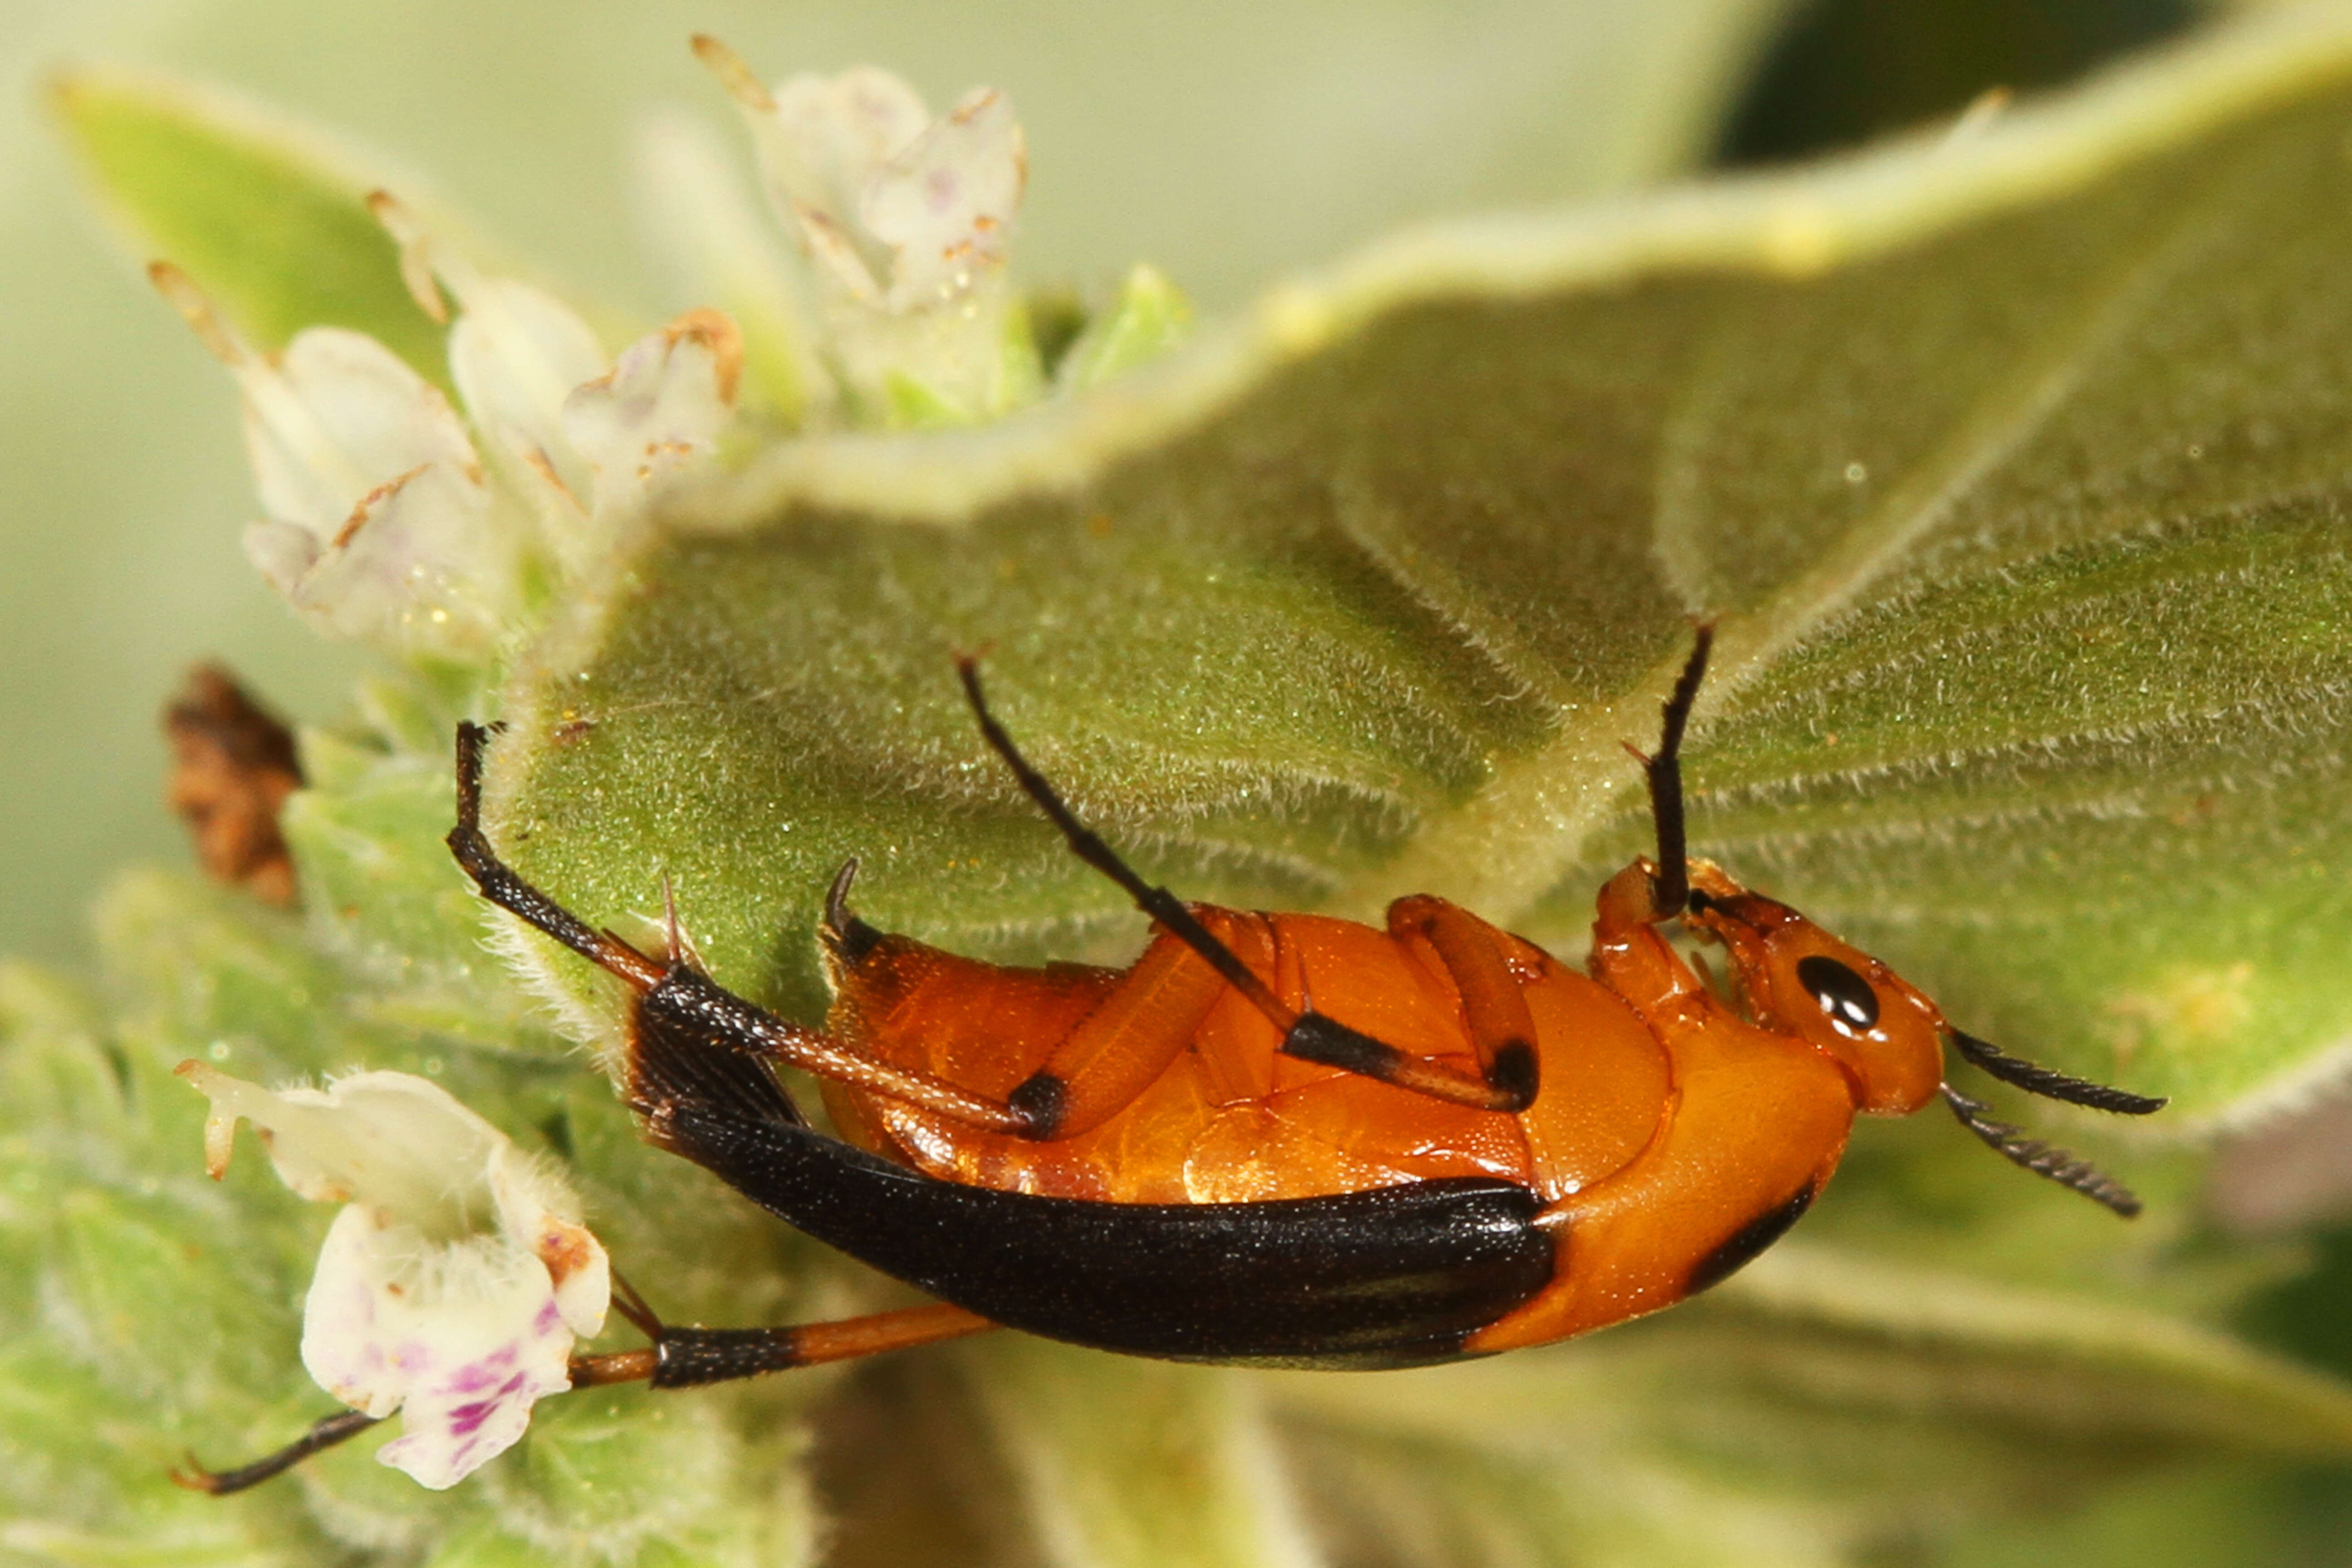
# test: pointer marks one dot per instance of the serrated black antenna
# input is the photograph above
(2043, 1159)
(2050, 1083)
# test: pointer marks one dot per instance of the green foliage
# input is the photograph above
(2012, 470)
(1150, 317)
(273, 227)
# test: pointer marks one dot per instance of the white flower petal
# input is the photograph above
(391, 1140)
(828, 137)
(944, 205)
(533, 1207)
(905, 222)
(378, 517)
(335, 416)
(460, 1337)
(665, 403)
(420, 563)
(834, 249)
(283, 553)
(515, 354)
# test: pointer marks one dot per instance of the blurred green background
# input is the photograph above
(1229, 141)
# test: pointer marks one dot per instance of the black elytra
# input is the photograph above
(1387, 1278)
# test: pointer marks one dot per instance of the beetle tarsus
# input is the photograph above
(1158, 902)
(498, 883)
(324, 1433)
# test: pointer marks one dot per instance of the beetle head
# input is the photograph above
(1798, 979)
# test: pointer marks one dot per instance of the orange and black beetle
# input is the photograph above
(1284, 1140)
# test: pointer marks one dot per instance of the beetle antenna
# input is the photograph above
(2043, 1159)
(1670, 889)
(2050, 1083)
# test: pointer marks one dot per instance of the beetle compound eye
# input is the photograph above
(1844, 996)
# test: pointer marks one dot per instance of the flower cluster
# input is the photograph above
(390, 517)
(382, 521)
(905, 218)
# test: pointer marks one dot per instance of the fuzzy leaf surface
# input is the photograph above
(2012, 465)
(274, 226)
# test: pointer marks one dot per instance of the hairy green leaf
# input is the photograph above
(271, 224)
(2012, 467)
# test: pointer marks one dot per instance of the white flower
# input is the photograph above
(906, 218)
(662, 406)
(452, 1287)
(582, 438)
(377, 520)
(380, 522)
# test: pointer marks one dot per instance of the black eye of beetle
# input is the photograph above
(1846, 998)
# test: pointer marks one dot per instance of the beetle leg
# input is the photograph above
(685, 1358)
(500, 885)
(678, 1358)
(1124, 1046)
(324, 1434)
(1158, 902)
(1670, 889)
(678, 996)
(1502, 1030)
(1309, 1036)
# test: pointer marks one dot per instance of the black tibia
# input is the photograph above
(1317, 1038)
(683, 1358)
(1671, 887)
(688, 1357)
(2050, 1084)
(1158, 902)
(500, 885)
(324, 1434)
(2042, 1159)
(1309, 1036)
(676, 995)
(1393, 1276)
(1508, 1086)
